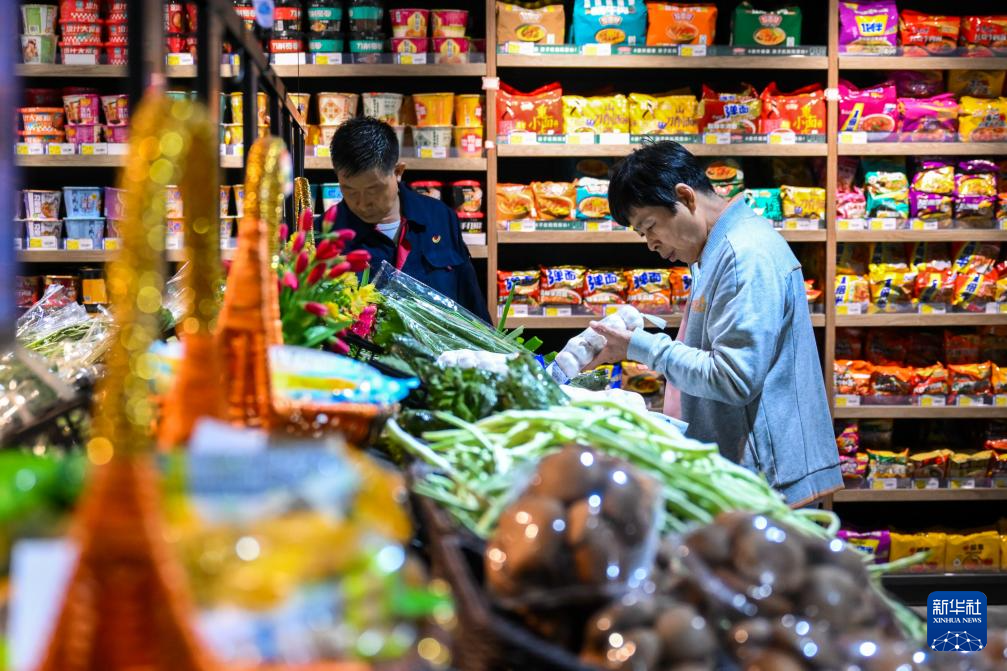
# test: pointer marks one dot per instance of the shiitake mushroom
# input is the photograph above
(774, 659)
(712, 542)
(597, 557)
(527, 544)
(684, 634)
(768, 556)
(629, 504)
(573, 473)
(833, 595)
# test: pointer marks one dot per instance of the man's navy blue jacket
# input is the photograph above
(437, 257)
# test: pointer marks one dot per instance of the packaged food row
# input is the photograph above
(547, 111)
(946, 552)
(862, 378)
(650, 290)
(635, 22)
(85, 29)
(86, 287)
(954, 115)
(896, 277)
(878, 27)
(73, 114)
(585, 198)
(922, 347)
(970, 193)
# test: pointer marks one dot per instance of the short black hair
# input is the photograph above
(363, 144)
(648, 176)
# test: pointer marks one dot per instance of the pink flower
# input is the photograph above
(340, 347)
(329, 218)
(317, 273)
(358, 259)
(290, 281)
(366, 321)
(326, 250)
(283, 232)
(316, 309)
(302, 263)
(346, 235)
(307, 220)
(298, 243)
(339, 269)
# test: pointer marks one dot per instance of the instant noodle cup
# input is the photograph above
(238, 107)
(542, 25)
(41, 204)
(115, 204)
(449, 22)
(86, 229)
(83, 133)
(680, 23)
(82, 202)
(868, 26)
(409, 22)
(39, 19)
(326, 133)
(37, 49)
(82, 108)
(753, 27)
(116, 109)
(431, 189)
(469, 110)
(42, 119)
(336, 108)
(467, 196)
(934, 34)
(436, 137)
(116, 134)
(314, 136)
(469, 141)
(451, 49)
(173, 202)
(300, 101)
(982, 120)
(386, 107)
(226, 227)
(434, 109)
(400, 135)
(410, 45)
(234, 134)
(225, 199)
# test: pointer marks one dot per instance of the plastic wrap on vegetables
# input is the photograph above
(582, 348)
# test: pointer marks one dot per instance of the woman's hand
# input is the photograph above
(616, 345)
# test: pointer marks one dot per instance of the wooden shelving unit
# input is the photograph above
(949, 235)
(919, 63)
(413, 163)
(94, 256)
(914, 412)
(70, 161)
(552, 61)
(108, 71)
(615, 237)
(616, 150)
(582, 322)
(921, 320)
(912, 495)
(924, 149)
(381, 70)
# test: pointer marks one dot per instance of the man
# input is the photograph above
(416, 234)
(745, 364)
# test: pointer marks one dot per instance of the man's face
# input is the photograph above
(371, 195)
(676, 236)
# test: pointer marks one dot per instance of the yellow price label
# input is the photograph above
(55, 150)
(1000, 401)
(174, 59)
(405, 59)
(87, 149)
(34, 243)
(72, 244)
(22, 149)
(840, 401)
(111, 244)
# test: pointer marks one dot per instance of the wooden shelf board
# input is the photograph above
(381, 70)
(920, 63)
(602, 150)
(923, 149)
(914, 319)
(978, 235)
(615, 237)
(915, 412)
(94, 256)
(430, 164)
(107, 71)
(71, 161)
(479, 251)
(911, 495)
(582, 322)
(664, 62)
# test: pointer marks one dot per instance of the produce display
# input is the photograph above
(877, 27)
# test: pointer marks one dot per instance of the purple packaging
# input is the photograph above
(934, 176)
(868, 26)
(918, 83)
(876, 544)
(933, 118)
(929, 206)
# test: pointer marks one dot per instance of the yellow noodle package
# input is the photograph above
(981, 120)
(663, 115)
(973, 552)
(906, 545)
(804, 202)
(598, 114)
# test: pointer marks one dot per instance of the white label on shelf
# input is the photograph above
(117, 148)
(613, 138)
(599, 225)
(411, 59)
(968, 402)
(431, 152)
(690, 50)
(40, 572)
(327, 59)
(931, 401)
(996, 308)
(847, 137)
(1003, 224)
(888, 483)
(491, 83)
(112, 244)
(321, 151)
(95, 149)
(288, 59)
(883, 224)
(782, 137)
(81, 59)
(184, 58)
(924, 225)
(526, 226)
(45, 242)
(522, 137)
(933, 309)
(82, 244)
(580, 138)
(716, 138)
(474, 239)
(596, 49)
(516, 310)
(851, 224)
(174, 241)
(25, 149)
(847, 401)
(850, 309)
(931, 483)
(61, 149)
(964, 483)
(522, 48)
(558, 312)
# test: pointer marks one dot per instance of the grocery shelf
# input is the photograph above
(479, 251)
(71, 161)
(920, 63)
(413, 163)
(914, 588)
(915, 319)
(106, 71)
(946, 235)
(94, 256)
(582, 321)
(918, 412)
(553, 61)
(915, 495)
(382, 70)
(616, 237)
(610, 150)
(923, 149)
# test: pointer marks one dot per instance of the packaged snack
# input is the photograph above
(765, 203)
(540, 111)
(935, 177)
(969, 465)
(852, 289)
(853, 467)
(563, 285)
(976, 177)
(674, 23)
(885, 464)
(977, 256)
(524, 284)
(935, 286)
(868, 26)
(871, 110)
(752, 27)
(726, 177)
(554, 200)
(976, 83)
(605, 287)
(847, 436)
(545, 25)
(638, 378)
(599, 114)
(802, 111)
(974, 289)
(907, 545)
(998, 469)
(663, 115)
(852, 377)
(933, 34)
(873, 544)
(975, 211)
(515, 201)
(973, 552)
(592, 199)
(929, 464)
(649, 290)
(730, 112)
(918, 83)
(891, 286)
(892, 381)
(930, 206)
(988, 32)
(929, 118)
(680, 281)
(609, 22)
(998, 380)
(851, 204)
(973, 379)
(887, 188)
(981, 120)
(802, 201)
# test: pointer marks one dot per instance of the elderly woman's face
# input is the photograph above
(678, 235)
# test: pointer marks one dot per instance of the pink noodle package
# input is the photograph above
(873, 110)
(930, 119)
(868, 26)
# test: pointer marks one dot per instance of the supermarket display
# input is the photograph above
(89, 32)
(880, 27)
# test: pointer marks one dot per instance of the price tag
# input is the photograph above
(175, 60)
(850, 224)
(580, 138)
(613, 138)
(432, 152)
(849, 309)
(847, 137)
(611, 309)
(933, 309)
(30, 149)
(1000, 401)
(527, 226)
(1003, 224)
(112, 244)
(597, 226)
(847, 401)
(932, 401)
(322, 151)
(79, 244)
(781, 138)
(716, 138)
(411, 59)
(328, 59)
(174, 241)
(45, 242)
(80, 59)
(522, 138)
(688, 51)
(882, 484)
(523, 48)
(597, 50)
(116, 148)
(558, 312)
(516, 310)
(54, 149)
(883, 224)
(930, 483)
(963, 483)
(967, 402)
(921, 225)
(996, 308)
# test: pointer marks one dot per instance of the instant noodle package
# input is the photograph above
(544, 25)
(681, 23)
(868, 26)
(929, 33)
(870, 110)
(611, 22)
(751, 27)
(802, 111)
(663, 114)
(598, 114)
(982, 120)
(730, 112)
(539, 112)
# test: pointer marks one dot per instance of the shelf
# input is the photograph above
(947, 235)
(923, 149)
(602, 150)
(94, 256)
(428, 164)
(911, 495)
(71, 161)
(553, 61)
(920, 63)
(479, 251)
(916, 412)
(615, 237)
(582, 322)
(914, 588)
(914, 319)
(381, 70)
(107, 71)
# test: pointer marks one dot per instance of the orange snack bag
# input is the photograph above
(932, 33)
(515, 201)
(680, 279)
(649, 290)
(672, 23)
(971, 379)
(893, 381)
(931, 381)
(540, 111)
(554, 200)
(802, 111)
(852, 377)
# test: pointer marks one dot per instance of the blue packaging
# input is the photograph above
(611, 22)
